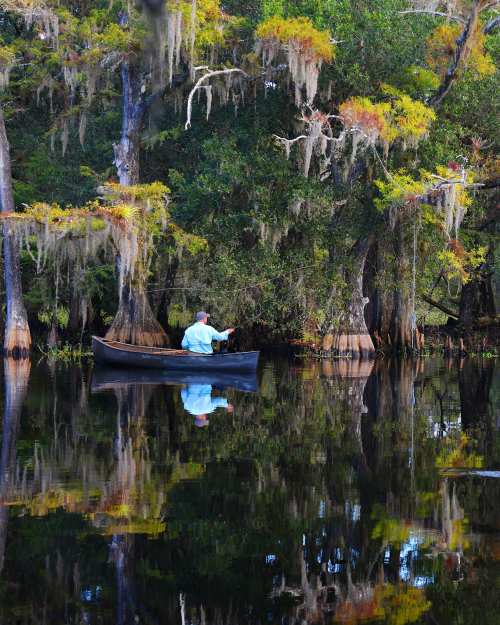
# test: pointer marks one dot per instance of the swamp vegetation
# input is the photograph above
(318, 172)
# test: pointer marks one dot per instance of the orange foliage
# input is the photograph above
(368, 117)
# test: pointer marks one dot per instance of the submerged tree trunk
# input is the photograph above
(475, 382)
(352, 337)
(17, 339)
(16, 376)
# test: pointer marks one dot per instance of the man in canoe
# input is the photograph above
(198, 337)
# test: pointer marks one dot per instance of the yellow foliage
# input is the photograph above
(458, 454)
(209, 23)
(390, 530)
(149, 527)
(401, 604)
(301, 32)
(7, 57)
(398, 190)
(412, 118)
(441, 47)
(50, 501)
(459, 264)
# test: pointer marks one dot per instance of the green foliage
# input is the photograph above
(59, 316)
(67, 354)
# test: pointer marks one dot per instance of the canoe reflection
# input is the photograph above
(108, 378)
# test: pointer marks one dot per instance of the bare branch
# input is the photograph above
(457, 18)
(199, 85)
(289, 141)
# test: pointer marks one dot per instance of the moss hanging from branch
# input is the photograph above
(368, 125)
(7, 62)
(306, 49)
(223, 94)
(134, 218)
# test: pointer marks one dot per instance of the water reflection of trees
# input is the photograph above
(318, 499)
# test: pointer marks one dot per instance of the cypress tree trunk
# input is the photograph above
(134, 322)
(352, 338)
(477, 298)
(401, 325)
(133, 111)
(17, 339)
(167, 273)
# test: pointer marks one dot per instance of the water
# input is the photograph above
(318, 493)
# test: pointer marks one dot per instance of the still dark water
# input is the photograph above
(319, 492)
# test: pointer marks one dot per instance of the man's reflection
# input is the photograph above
(198, 401)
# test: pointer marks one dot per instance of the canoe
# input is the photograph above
(125, 355)
(106, 378)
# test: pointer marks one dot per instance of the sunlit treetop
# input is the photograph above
(300, 33)
(306, 48)
(411, 118)
(402, 118)
(441, 46)
(372, 119)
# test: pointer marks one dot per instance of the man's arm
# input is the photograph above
(219, 402)
(221, 336)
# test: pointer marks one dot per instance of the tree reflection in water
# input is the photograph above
(341, 492)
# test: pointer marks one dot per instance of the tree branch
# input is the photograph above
(284, 140)
(457, 18)
(491, 25)
(199, 85)
(440, 307)
(462, 50)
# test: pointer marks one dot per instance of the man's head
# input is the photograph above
(202, 316)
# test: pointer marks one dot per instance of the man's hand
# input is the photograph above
(230, 330)
(230, 408)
